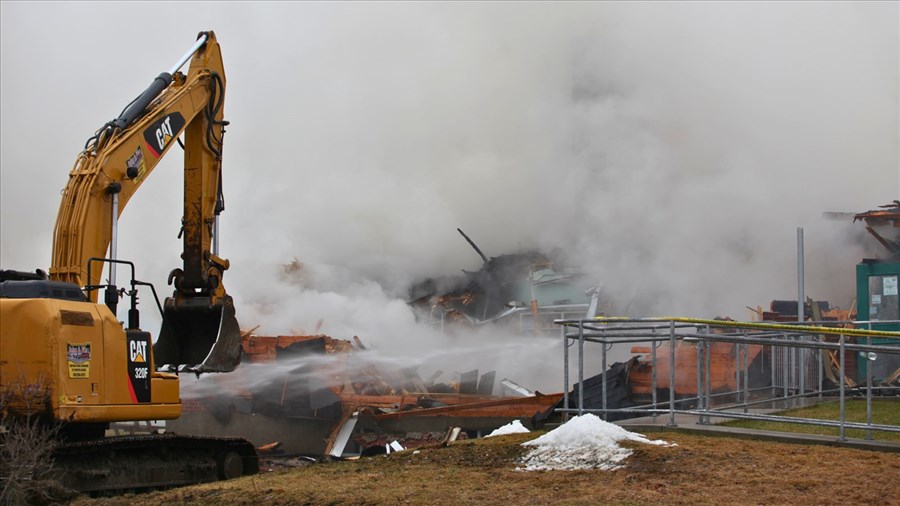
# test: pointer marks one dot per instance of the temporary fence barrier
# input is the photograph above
(796, 354)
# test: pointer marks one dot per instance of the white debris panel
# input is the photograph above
(584, 442)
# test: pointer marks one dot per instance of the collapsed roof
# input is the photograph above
(506, 281)
(884, 225)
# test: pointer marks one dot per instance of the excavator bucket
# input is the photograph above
(198, 337)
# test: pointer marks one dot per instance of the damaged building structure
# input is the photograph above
(316, 395)
(525, 290)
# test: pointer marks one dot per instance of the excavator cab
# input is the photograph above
(199, 335)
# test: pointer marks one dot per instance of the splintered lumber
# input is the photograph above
(412, 381)
(836, 367)
(893, 378)
(368, 381)
(437, 374)
(451, 435)
(268, 447)
(512, 407)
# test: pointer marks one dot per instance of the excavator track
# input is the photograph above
(151, 462)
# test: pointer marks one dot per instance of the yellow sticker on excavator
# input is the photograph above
(136, 164)
(78, 356)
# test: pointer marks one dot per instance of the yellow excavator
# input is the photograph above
(67, 360)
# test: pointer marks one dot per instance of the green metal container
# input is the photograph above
(878, 301)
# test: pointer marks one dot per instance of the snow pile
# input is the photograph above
(514, 427)
(584, 442)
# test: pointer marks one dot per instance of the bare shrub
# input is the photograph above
(26, 461)
(26, 447)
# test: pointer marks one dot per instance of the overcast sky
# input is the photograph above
(672, 148)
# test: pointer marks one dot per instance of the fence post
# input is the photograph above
(708, 381)
(672, 374)
(793, 352)
(737, 373)
(798, 362)
(603, 380)
(746, 378)
(868, 388)
(653, 345)
(565, 343)
(772, 367)
(784, 368)
(580, 367)
(841, 381)
(821, 368)
(801, 368)
(699, 345)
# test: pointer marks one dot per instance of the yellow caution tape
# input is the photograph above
(812, 329)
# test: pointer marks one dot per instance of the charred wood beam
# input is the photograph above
(471, 243)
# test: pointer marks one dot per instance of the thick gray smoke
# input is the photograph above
(671, 149)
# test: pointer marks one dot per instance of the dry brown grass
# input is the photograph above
(700, 470)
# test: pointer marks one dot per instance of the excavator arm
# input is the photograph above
(199, 332)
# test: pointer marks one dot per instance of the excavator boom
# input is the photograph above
(199, 331)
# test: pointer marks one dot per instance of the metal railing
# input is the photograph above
(795, 354)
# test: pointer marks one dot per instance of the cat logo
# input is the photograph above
(164, 133)
(139, 375)
(137, 350)
(160, 133)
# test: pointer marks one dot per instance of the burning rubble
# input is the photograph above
(316, 395)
